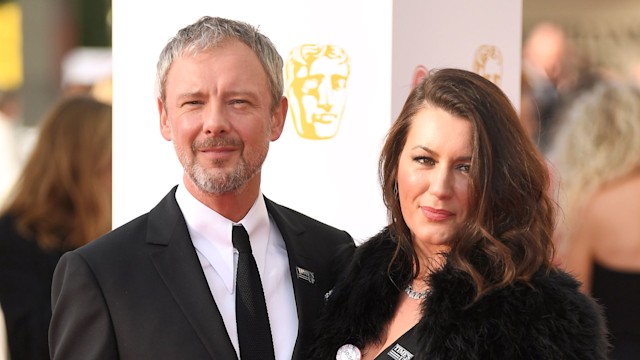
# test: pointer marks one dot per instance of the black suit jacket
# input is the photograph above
(139, 292)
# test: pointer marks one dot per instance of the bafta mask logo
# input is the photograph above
(316, 77)
(488, 63)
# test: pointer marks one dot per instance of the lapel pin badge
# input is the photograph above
(306, 275)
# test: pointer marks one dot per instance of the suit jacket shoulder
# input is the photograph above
(143, 295)
(313, 239)
(318, 254)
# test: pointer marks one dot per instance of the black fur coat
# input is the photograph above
(551, 320)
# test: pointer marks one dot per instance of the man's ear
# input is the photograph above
(278, 118)
(165, 126)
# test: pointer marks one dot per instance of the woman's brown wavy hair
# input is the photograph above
(510, 227)
(63, 197)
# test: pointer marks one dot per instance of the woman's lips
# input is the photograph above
(436, 214)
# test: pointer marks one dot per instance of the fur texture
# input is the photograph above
(549, 320)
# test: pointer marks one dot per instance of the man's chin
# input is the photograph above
(217, 189)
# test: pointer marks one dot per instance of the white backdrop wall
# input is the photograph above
(334, 179)
(457, 33)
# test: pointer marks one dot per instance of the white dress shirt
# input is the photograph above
(211, 236)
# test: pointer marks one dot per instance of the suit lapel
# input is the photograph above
(179, 267)
(301, 266)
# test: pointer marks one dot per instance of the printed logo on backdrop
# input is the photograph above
(316, 86)
(489, 63)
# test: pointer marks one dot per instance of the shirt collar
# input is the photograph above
(211, 233)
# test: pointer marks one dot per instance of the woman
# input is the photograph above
(62, 200)
(464, 269)
(597, 159)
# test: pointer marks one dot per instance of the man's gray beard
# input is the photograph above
(220, 182)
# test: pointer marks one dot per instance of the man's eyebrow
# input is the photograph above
(189, 95)
(242, 93)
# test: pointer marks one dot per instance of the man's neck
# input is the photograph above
(233, 205)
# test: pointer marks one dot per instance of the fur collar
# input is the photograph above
(549, 320)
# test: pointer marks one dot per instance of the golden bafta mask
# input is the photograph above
(316, 77)
(488, 63)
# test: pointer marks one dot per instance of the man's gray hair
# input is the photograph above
(210, 32)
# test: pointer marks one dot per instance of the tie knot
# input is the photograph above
(240, 239)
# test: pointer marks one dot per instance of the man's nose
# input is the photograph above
(216, 121)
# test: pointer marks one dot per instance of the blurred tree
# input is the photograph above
(93, 24)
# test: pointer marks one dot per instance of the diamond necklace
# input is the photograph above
(416, 295)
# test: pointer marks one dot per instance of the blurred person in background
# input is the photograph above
(62, 200)
(528, 110)
(86, 70)
(544, 55)
(10, 97)
(9, 151)
(553, 68)
(4, 347)
(596, 157)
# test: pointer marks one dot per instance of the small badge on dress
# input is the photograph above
(399, 353)
(306, 275)
(348, 352)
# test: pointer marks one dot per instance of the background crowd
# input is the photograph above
(584, 115)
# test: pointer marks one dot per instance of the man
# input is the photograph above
(163, 285)
(317, 76)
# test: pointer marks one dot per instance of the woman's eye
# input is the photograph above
(465, 168)
(424, 160)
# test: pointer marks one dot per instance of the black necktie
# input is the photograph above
(254, 332)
